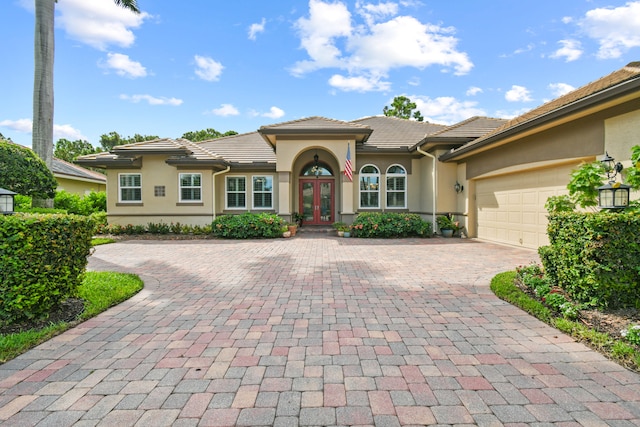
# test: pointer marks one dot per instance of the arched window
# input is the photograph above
(317, 169)
(396, 187)
(369, 187)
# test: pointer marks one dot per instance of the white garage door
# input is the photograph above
(510, 208)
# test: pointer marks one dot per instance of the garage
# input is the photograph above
(510, 207)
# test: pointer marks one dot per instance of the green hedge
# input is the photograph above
(595, 257)
(42, 261)
(385, 224)
(248, 226)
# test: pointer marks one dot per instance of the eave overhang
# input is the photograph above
(607, 98)
(113, 163)
(271, 135)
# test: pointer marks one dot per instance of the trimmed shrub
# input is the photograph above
(42, 262)
(390, 224)
(595, 257)
(75, 204)
(248, 226)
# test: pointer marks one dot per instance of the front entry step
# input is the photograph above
(315, 229)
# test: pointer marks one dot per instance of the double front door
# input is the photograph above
(317, 201)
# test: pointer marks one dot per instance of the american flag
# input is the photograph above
(348, 169)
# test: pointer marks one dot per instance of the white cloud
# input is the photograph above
(473, 91)
(518, 94)
(332, 39)
(446, 110)
(98, 23)
(207, 68)
(359, 83)
(123, 65)
(254, 29)
(274, 113)
(616, 29)
(20, 125)
(59, 131)
(559, 89)
(225, 110)
(570, 50)
(152, 100)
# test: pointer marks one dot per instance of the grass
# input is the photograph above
(100, 290)
(101, 241)
(503, 285)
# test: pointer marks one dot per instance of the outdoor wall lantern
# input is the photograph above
(316, 166)
(6, 201)
(458, 187)
(613, 195)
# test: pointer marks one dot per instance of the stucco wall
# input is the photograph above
(79, 187)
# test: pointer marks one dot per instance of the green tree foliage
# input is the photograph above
(25, 173)
(112, 139)
(205, 134)
(632, 174)
(584, 183)
(403, 108)
(71, 150)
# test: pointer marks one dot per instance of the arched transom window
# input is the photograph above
(396, 187)
(369, 187)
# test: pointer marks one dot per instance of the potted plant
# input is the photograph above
(340, 227)
(297, 218)
(447, 225)
(293, 228)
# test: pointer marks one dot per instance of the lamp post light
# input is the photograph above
(613, 195)
(6, 201)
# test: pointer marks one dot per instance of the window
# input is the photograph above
(130, 187)
(369, 187)
(190, 187)
(262, 192)
(396, 187)
(159, 191)
(236, 192)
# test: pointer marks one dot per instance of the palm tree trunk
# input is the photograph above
(42, 134)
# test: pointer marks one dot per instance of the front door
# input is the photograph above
(316, 201)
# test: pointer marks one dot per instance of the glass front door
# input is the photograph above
(316, 201)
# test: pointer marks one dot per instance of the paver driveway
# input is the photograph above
(314, 331)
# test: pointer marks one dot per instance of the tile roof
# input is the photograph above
(61, 167)
(473, 127)
(315, 123)
(395, 133)
(630, 72)
(181, 147)
(243, 148)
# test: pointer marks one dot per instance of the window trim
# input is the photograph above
(180, 187)
(360, 191)
(226, 193)
(254, 192)
(120, 188)
(386, 187)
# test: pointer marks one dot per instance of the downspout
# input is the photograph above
(214, 188)
(433, 184)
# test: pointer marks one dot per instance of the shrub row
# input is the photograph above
(595, 257)
(152, 228)
(42, 262)
(65, 202)
(248, 226)
(385, 224)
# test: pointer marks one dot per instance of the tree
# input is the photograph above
(42, 134)
(203, 135)
(70, 150)
(112, 139)
(403, 108)
(25, 173)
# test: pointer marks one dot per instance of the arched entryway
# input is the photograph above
(316, 193)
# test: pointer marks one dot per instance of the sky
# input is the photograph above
(188, 65)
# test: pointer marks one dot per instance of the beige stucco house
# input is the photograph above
(75, 179)
(495, 175)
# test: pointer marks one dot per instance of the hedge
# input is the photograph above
(389, 224)
(248, 226)
(42, 262)
(595, 257)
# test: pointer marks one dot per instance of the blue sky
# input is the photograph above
(188, 65)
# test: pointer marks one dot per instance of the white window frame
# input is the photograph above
(254, 192)
(388, 191)
(226, 192)
(129, 187)
(360, 190)
(191, 187)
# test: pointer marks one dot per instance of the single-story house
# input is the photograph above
(76, 179)
(494, 175)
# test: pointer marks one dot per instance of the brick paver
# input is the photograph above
(314, 331)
